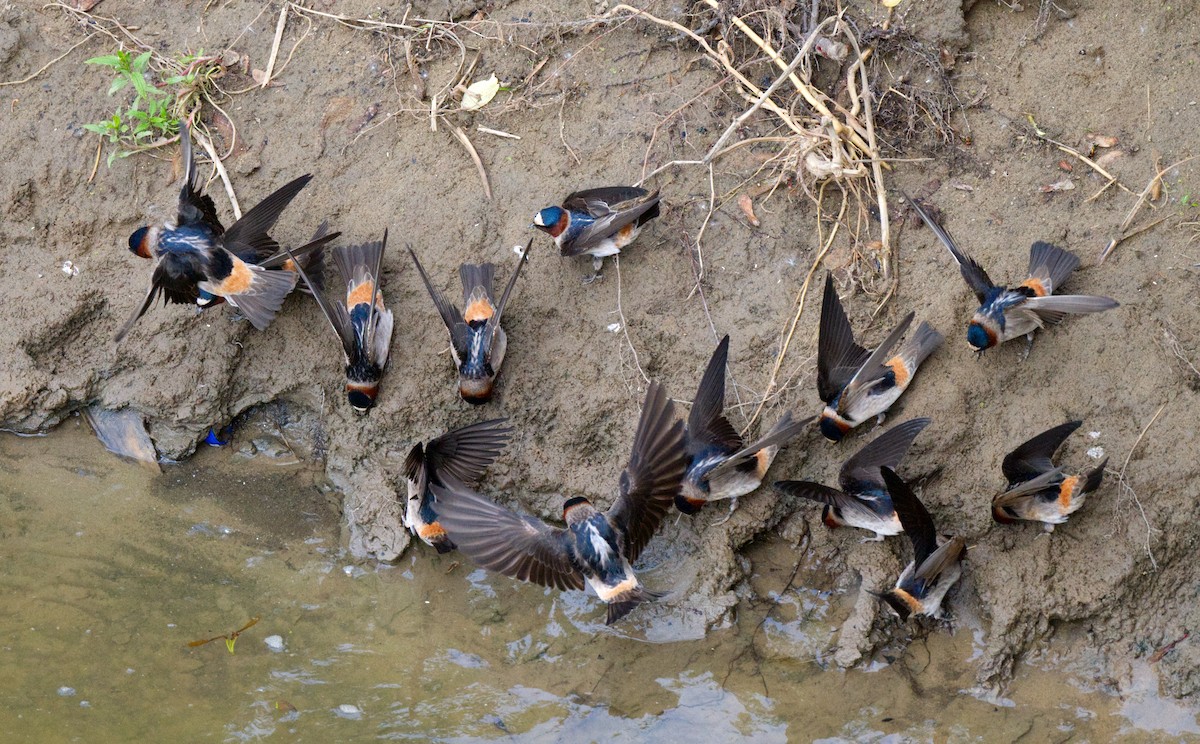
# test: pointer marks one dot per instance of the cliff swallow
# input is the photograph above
(596, 548)
(1037, 490)
(1008, 312)
(462, 454)
(923, 584)
(854, 383)
(863, 500)
(721, 465)
(362, 323)
(195, 253)
(477, 342)
(599, 222)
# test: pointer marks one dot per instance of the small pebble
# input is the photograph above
(1095, 452)
(274, 642)
(65, 691)
(352, 712)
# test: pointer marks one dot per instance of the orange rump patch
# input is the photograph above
(238, 281)
(289, 265)
(900, 369)
(1036, 285)
(361, 295)
(430, 531)
(1066, 491)
(480, 309)
(763, 458)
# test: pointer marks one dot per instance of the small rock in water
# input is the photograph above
(352, 712)
(65, 691)
(274, 642)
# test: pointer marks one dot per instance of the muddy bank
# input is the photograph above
(599, 103)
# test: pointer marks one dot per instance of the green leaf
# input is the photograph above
(109, 60)
(142, 60)
(117, 85)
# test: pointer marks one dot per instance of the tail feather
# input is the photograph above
(314, 262)
(624, 603)
(357, 263)
(922, 343)
(1092, 482)
(1051, 265)
(477, 275)
(261, 303)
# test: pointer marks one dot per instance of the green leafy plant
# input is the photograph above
(152, 118)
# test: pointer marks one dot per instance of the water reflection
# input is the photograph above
(112, 570)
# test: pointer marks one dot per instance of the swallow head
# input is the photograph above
(574, 507)
(362, 395)
(901, 602)
(1001, 516)
(980, 336)
(552, 220)
(141, 242)
(833, 426)
(476, 390)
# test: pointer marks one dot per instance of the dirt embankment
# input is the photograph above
(595, 105)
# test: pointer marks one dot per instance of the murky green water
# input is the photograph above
(111, 570)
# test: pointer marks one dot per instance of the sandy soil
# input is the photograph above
(602, 105)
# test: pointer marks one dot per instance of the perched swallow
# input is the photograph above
(863, 500)
(721, 465)
(854, 383)
(362, 323)
(1008, 312)
(477, 341)
(197, 254)
(923, 584)
(595, 548)
(462, 454)
(1037, 490)
(599, 222)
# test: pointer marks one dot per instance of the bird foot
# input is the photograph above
(1028, 346)
(593, 278)
(878, 538)
(729, 516)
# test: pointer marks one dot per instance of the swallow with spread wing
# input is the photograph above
(1038, 491)
(463, 455)
(195, 254)
(855, 384)
(721, 465)
(863, 500)
(923, 584)
(477, 341)
(1006, 313)
(596, 548)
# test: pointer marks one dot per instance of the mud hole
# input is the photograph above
(604, 103)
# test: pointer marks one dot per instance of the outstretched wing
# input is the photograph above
(886, 450)
(1033, 457)
(451, 315)
(976, 278)
(706, 424)
(838, 356)
(505, 542)
(653, 475)
(465, 453)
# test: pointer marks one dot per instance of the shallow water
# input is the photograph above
(111, 570)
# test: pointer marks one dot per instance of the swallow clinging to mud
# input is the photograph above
(595, 548)
(923, 584)
(855, 384)
(362, 322)
(863, 500)
(1038, 491)
(463, 455)
(599, 222)
(477, 341)
(195, 253)
(721, 465)
(1006, 313)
